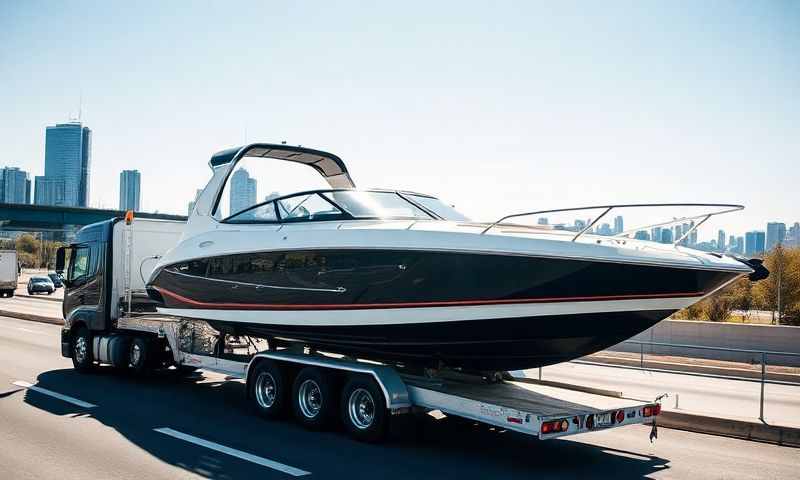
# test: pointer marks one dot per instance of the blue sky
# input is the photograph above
(494, 106)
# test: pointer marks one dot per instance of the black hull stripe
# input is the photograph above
(454, 303)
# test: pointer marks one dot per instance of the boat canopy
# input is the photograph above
(331, 167)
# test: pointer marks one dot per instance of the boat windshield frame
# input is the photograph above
(344, 215)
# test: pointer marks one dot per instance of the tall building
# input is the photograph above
(243, 191)
(15, 185)
(693, 235)
(130, 190)
(753, 243)
(776, 233)
(542, 221)
(732, 243)
(641, 235)
(655, 234)
(794, 235)
(740, 245)
(605, 229)
(67, 166)
(666, 235)
(190, 208)
(619, 225)
(721, 240)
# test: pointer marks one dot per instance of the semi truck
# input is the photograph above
(9, 272)
(110, 320)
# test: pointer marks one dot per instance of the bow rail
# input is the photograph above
(724, 208)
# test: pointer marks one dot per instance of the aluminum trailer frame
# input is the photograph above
(543, 411)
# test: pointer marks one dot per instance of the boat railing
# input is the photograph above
(722, 208)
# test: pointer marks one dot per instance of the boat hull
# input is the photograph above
(470, 310)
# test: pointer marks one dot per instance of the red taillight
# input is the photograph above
(651, 411)
(555, 426)
(620, 416)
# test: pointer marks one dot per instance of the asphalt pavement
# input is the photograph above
(717, 397)
(57, 423)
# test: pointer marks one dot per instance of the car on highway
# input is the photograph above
(41, 284)
(56, 279)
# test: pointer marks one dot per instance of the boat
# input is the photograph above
(403, 277)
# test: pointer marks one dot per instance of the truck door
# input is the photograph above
(82, 295)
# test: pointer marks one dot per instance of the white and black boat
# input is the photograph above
(403, 277)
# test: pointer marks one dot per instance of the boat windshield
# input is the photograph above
(346, 204)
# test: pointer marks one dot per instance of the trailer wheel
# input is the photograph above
(313, 398)
(82, 358)
(139, 355)
(267, 389)
(363, 409)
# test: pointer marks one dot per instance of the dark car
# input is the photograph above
(56, 279)
(41, 284)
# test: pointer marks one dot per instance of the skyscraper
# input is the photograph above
(721, 240)
(666, 235)
(243, 191)
(794, 235)
(619, 225)
(129, 190)
(655, 234)
(15, 185)
(753, 243)
(776, 233)
(190, 208)
(67, 166)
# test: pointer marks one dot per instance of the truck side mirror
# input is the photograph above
(60, 260)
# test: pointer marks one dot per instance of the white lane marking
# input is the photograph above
(296, 472)
(53, 394)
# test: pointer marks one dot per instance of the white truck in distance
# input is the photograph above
(9, 272)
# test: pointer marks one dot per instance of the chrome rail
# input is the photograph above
(726, 208)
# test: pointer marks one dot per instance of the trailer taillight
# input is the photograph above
(651, 411)
(620, 416)
(555, 426)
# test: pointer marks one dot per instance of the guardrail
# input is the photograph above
(762, 354)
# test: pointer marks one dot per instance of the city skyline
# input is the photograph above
(707, 110)
(67, 166)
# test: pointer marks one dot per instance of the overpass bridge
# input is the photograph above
(16, 217)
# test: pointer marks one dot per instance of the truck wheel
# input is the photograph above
(267, 389)
(313, 399)
(363, 409)
(82, 358)
(139, 356)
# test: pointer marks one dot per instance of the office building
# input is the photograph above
(776, 233)
(619, 225)
(15, 185)
(721, 240)
(793, 238)
(243, 191)
(754, 243)
(129, 190)
(67, 166)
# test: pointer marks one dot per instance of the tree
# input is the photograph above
(780, 292)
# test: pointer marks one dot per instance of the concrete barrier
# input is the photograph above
(761, 432)
(719, 334)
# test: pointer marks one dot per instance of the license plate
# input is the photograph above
(602, 419)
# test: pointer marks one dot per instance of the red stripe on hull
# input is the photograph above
(454, 303)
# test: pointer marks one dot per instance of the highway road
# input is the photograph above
(112, 426)
(710, 396)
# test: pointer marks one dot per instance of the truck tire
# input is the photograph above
(81, 348)
(267, 389)
(363, 409)
(139, 355)
(313, 398)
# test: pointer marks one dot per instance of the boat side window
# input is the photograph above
(307, 207)
(261, 213)
(439, 207)
(365, 204)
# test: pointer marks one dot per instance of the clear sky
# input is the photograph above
(494, 106)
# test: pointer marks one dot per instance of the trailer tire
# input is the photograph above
(81, 350)
(139, 355)
(363, 409)
(313, 398)
(267, 389)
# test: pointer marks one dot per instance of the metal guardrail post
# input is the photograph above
(763, 377)
(641, 355)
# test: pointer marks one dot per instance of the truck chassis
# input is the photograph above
(365, 395)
